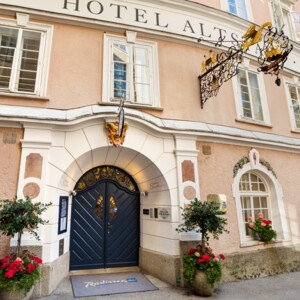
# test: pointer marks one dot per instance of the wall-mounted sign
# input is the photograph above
(164, 213)
(220, 201)
(63, 214)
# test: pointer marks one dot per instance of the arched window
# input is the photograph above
(256, 190)
(254, 195)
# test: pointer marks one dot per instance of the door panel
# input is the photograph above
(87, 232)
(122, 241)
(107, 236)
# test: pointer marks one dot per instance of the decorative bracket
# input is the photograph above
(219, 68)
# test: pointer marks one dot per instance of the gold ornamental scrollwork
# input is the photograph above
(114, 138)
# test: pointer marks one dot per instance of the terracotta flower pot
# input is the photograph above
(201, 286)
(15, 295)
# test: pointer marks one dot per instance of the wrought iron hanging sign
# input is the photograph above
(117, 130)
(221, 67)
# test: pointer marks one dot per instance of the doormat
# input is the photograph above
(106, 284)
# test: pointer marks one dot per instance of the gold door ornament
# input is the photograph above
(114, 138)
(99, 208)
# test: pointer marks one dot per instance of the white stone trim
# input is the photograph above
(276, 207)
(203, 131)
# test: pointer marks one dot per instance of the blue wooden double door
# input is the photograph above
(104, 227)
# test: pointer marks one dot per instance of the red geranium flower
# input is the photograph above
(222, 256)
(30, 268)
(10, 274)
(191, 251)
(38, 260)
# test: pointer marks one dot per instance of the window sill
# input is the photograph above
(250, 121)
(256, 243)
(295, 130)
(130, 105)
(26, 96)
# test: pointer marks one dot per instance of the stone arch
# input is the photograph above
(148, 159)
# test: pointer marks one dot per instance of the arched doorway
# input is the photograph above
(105, 220)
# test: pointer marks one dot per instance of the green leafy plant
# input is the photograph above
(202, 259)
(203, 217)
(19, 273)
(21, 214)
(262, 229)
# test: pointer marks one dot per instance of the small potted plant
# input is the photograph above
(20, 271)
(262, 229)
(202, 268)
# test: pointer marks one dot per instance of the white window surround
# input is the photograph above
(296, 83)
(224, 6)
(22, 21)
(263, 96)
(277, 211)
(108, 77)
(285, 6)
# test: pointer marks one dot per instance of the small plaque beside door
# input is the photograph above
(63, 214)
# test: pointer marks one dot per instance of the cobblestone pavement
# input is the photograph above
(279, 287)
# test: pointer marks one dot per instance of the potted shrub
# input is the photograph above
(262, 229)
(202, 268)
(20, 271)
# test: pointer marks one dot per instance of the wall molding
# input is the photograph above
(12, 115)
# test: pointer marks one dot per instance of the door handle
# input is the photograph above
(109, 226)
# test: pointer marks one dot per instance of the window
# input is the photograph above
(256, 190)
(294, 96)
(250, 96)
(296, 21)
(282, 17)
(238, 7)
(132, 71)
(254, 198)
(23, 57)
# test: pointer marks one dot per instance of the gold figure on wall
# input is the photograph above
(114, 138)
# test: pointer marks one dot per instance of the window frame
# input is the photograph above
(225, 7)
(283, 6)
(287, 83)
(108, 71)
(43, 60)
(245, 66)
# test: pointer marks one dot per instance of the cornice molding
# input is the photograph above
(199, 131)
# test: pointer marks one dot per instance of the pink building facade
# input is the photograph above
(64, 66)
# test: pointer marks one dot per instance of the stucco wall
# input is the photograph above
(10, 153)
(75, 80)
(216, 177)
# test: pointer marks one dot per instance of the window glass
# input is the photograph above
(242, 11)
(28, 61)
(238, 7)
(19, 58)
(121, 58)
(232, 6)
(250, 95)
(254, 198)
(8, 38)
(296, 21)
(131, 73)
